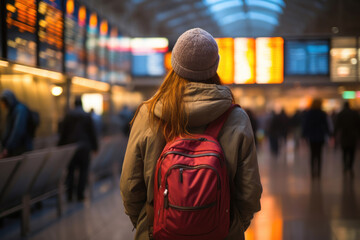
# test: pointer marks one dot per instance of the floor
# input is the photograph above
(293, 206)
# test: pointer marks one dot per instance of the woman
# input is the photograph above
(190, 97)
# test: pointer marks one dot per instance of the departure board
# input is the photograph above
(21, 31)
(307, 57)
(269, 60)
(103, 52)
(50, 32)
(92, 69)
(344, 63)
(148, 56)
(244, 60)
(75, 32)
(119, 57)
(226, 64)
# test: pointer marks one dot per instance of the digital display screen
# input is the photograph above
(21, 31)
(103, 52)
(344, 62)
(226, 64)
(75, 32)
(51, 26)
(244, 60)
(306, 57)
(148, 56)
(91, 47)
(269, 60)
(119, 58)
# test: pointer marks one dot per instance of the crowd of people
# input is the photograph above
(315, 128)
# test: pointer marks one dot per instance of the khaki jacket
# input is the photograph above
(204, 103)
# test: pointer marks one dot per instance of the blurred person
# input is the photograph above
(284, 123)
(316, 129)
(97, 121)
(253, 121)
(296, 127)
(16, 138)
(347, 127)
(125, 115)
(190, 97)
(273, 131)
(78, 127)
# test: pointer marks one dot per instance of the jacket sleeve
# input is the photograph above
(19, 128)
(247, 189)
(132, 183)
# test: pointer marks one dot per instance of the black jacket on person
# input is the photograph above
(348, 126)
(16, 138)
(316, 126)
(78, 127)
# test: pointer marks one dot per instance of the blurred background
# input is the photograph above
(277, 56)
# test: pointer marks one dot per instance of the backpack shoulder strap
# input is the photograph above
(215, 126)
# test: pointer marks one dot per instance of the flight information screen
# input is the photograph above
(91, 47)
(75, 32)
(307, 57)
(21, 31)
(148, 56)
(226, 63)
(50, 32)
(269, 60)
(244, 60)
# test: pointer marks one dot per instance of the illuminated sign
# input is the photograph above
(167, 61)
(50, 34)
(306, 57)
(349, 95)
(343, 60)
(269, 60)
(103, 51)
(91, 47)
(226, 64)
(244, 60)
(75, 33)
(119, 57)
(21, 31)
(148, 56)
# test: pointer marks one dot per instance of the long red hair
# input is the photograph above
(174, 120)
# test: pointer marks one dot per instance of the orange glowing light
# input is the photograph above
(93, 20)
(226, 64)
(167, 61)
(104, 27)
(82, 16)
(244, 60)
(269, 60)
(70, 6)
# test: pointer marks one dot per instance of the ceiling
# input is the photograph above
(231, 18)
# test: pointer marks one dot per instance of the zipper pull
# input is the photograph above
(181, 174)
(166, 200)
(202, 139)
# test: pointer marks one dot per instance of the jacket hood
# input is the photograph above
(10, 98)
(203, 102)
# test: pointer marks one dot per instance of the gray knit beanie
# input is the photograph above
(195, 55)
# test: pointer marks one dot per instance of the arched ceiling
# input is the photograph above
(231, 18)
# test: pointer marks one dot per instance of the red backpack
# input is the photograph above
(191, 190)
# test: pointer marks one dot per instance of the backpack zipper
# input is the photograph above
(182, 166)
(186, 155)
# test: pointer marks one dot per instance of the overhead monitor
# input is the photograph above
(344, 62)
(75, 32)
(269, 60)
(119, 57)
(307, 57)
(226, 63)
(148, 56)
(92, 69)
(21, 31)
(51, 25)
(244, 60)
(103, 51)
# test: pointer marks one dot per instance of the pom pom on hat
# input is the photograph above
(195, 55)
